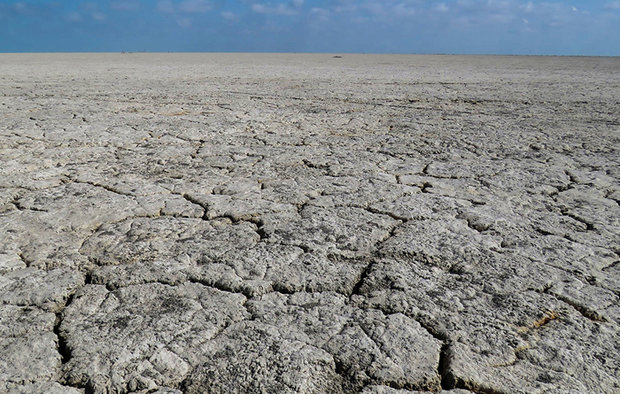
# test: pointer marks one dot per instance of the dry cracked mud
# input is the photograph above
(309, 223)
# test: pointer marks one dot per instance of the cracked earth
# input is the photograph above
(308, 223)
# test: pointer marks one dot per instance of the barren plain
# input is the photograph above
(309, 223)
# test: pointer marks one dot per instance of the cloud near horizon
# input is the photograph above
(576, 27)
(185, 6)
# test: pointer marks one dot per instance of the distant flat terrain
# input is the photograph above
(317, 223)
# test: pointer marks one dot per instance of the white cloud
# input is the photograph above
(346, 9)
(441, 7)
(320, 14)
(298, 3)
(186, 6)
(229, 16)
(402, 9)
(260, 8)
(127, 5)
(280, 9)
(194, 6)
(613, 5)
(382, 10)
(20, 6)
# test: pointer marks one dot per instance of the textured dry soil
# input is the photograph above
(309, 223)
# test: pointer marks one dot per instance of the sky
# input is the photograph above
(577, 27)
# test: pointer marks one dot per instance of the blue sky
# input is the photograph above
(577, 27)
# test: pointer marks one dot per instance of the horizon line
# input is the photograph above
(129, 52)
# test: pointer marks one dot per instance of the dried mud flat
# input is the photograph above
(309, 223)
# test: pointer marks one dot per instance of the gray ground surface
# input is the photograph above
(308, 223)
